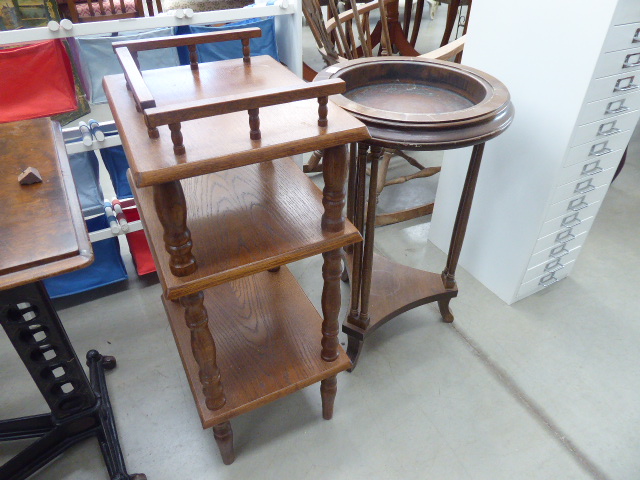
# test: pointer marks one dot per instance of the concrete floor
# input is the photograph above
(544, 389)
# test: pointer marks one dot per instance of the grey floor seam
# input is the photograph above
(531, 405)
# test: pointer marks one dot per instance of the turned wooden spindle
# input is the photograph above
(172, 212)
(246, 51)
(323, 111)
(176, 138)
(334, 172)
(193, 57)
(331, 273)
(224, 438)
(204, 349)
(151, 131)
(254, 124)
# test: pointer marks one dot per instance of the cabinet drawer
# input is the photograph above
(613, 85)
(582, 185)
(621, 37)
(577, 202)
(627, 11)
(598, 149)
(551, 265)
(605, 128)
(569, 220)
(608, 108)
(544, 281)
(589, 168)
(620, 61)
(568, 236)
(561, 250)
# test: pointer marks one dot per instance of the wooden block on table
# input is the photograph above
(30, 176)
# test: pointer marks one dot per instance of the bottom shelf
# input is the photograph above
(267, 335)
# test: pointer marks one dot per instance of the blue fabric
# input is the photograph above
(212, 52)
(97, 58)
(117, 164)
(84, 169)
(106, 268)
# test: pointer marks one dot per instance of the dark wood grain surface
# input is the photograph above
(221, 142)
(268, 343)
(42, 231)
(244, 221)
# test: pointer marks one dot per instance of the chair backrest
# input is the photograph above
(96, 10)
(347, 34)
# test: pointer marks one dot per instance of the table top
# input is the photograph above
(221, 142)
(414, 103)
(43, 232)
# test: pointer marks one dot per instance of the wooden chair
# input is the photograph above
(348, 35)
(96, 10)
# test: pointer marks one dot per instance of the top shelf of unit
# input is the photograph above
(221, 142)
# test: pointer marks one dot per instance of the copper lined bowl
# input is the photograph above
(418, 103)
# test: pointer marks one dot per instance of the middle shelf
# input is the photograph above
(243, 221)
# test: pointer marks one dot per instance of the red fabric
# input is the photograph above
(36, 80)
(138, 245)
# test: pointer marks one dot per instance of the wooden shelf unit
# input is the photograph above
(221, 204)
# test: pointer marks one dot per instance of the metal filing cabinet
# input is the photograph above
(574, 75)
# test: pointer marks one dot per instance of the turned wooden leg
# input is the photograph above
(462, 217)
(204, 349)
(335, 174)
(176, 138)
(313, 165)
(445, 311)
(171, 208)
(224, 438)
(328, 390)
(354, 348)
(367, 260)
(358, 220)
(383, 169)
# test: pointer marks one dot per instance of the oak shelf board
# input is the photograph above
(36, 244)
(221, 142)
(267, 335)
(243, 221)
(396, 289)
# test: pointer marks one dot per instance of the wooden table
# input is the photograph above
(224, 207)
(43, 234)
(447, 106)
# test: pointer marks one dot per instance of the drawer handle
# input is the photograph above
(591, 168)
(611, 131)
(636, 37)
(559, 251)
(571, 221)
(599, 149)
(577, 204)
(607, 129)
(610, 111)
(627, 88)
(548, 279)
(564, 237)
(553, 266)
(630, 62)
(584, 186)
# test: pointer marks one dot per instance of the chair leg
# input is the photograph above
(314, 164)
